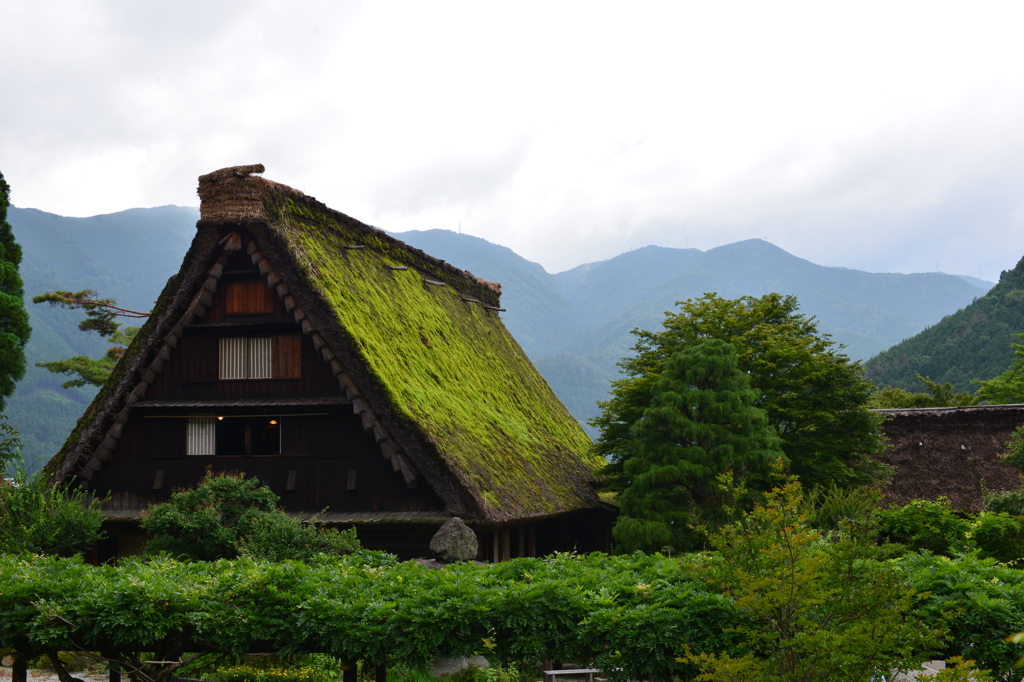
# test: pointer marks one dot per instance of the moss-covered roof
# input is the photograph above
(424, 345)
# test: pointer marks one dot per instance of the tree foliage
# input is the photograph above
(701, 423)
(813, 395)
(37, 518)
(100, 314)
(226, 516)
(934, 395)
(1008, 387)
(10, 445)
(816, 607)
(972, 343)
(14, 326)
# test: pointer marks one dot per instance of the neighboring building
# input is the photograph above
(350, 372)
(950, 452)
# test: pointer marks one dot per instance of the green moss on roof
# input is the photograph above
(448, 366)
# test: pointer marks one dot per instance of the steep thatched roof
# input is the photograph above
(416, 344)
(950, 452)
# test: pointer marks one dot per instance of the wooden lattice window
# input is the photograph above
(260, 357)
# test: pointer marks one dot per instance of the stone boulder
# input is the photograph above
(454, 541)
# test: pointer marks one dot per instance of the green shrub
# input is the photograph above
(999, 536)
(1007, 501)
(925, 525)
(37, 518)
(226, 516)
(978, 601)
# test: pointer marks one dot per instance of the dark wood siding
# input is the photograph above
(287, 356)
(321, 452)
(248, 297)
(245, 297)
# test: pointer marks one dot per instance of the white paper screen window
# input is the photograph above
(246, 358)
(201, 435)
(260, 364)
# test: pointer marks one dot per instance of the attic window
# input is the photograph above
(245, 358)
(248, 297)
(260, 357)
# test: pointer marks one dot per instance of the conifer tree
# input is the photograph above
(14, 327)
(700, 424)
(813, 395)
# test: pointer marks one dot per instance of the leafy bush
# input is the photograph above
(815, 607)
(308, 668)
(226, 516)
(979, 601)
(999, 536)
(38, 518)
(925, 525)
(1007, 501)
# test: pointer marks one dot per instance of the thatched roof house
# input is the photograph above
(950, 452)
(359, 347)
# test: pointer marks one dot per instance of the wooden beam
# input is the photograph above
(233, 242)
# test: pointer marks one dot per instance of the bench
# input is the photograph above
(589, 672)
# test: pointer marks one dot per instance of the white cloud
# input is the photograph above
(876, 135)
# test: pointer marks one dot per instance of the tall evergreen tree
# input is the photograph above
(814, 396)
(14, 327)
(701, 423)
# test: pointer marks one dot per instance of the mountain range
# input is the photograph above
(975, 342)
(574, 325)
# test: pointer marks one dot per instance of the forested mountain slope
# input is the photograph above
(972, 343)
(128, 256)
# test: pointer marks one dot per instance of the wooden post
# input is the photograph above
(19, 671)
(381, 672)
(549, 664)
(351, 673)
(496, 546)
(521, 540)
(114, 673)
(506, 544)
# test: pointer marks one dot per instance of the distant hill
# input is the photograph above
(972, 343)
(574, 325)
(584, 316)
(128, 256)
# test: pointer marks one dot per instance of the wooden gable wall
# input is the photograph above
(325, 460)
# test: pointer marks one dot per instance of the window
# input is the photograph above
(248, 297)
(201, 435)
(246, 358)
(228, 436)
(261, 357)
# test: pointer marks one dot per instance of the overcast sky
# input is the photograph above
(882, 136)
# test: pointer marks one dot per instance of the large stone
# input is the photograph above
(454, 541)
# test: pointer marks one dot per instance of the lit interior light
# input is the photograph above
(220, 419)
(273, 422)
